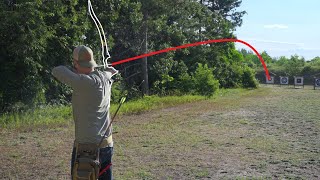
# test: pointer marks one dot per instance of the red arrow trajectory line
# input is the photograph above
(195, 44)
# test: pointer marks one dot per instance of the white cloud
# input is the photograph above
(276, 26)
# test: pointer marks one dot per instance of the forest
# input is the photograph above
(37, 35)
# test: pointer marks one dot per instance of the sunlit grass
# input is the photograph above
(40, 116)
(154, 102)
(62, 115)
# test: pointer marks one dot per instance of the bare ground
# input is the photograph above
(269, 133)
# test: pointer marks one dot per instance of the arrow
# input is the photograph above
(196, 44)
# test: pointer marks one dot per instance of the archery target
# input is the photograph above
(298, 81)
(271, 81)
(284, 80)
(317, 82)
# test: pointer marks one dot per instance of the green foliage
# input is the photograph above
(238, 72)
(294, 66)
(311, 71)
(23, 38)
(204, 82)
(252, 60)
(45, 115)
(185, 83)
(282, 61)
(282, 66)
(315, 61)
(227, 8)
(248, 78)
(152, 102)
(161, 70)
(118, 89)
(267, 59)
(39, 35)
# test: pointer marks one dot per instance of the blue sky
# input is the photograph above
(281, 27)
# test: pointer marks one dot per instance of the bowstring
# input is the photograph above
(103, 40)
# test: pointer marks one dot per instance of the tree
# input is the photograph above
(294, 65)
(315, 61)
(23, 38)
(38, 35)
(282, 61)
(69, 23)
(227, 10)
(267, 59)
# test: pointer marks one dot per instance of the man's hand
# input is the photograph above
(112, 70)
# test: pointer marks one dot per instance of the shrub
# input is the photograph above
(204, 82)
(248, 78)
(185, 83)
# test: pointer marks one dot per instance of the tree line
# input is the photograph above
(37, 35)
(294, 65)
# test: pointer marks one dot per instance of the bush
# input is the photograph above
(248, 78)
(204, 82)
(185, 83)
(116, 92)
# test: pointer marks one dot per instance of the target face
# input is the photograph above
(284, 80)
(298, 81)
(271, 81)
(317, 83)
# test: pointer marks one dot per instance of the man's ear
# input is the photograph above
(75, 64)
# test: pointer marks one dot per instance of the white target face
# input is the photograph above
(298, 81)
(271, 81)
(284, 80)
(317, 83)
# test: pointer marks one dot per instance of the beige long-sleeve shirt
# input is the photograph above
(90, 103)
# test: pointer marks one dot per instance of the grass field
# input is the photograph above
(52, 116)
(269, 133)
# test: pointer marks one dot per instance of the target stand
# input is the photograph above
(284, 80)
(316, 83)
(298, 81)
(271, 81)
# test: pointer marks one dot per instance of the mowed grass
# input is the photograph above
(267, 133)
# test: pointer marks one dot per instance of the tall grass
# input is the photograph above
(47, 115)
(154, 102)
(61, 115)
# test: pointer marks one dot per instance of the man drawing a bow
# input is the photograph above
(90, 105)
